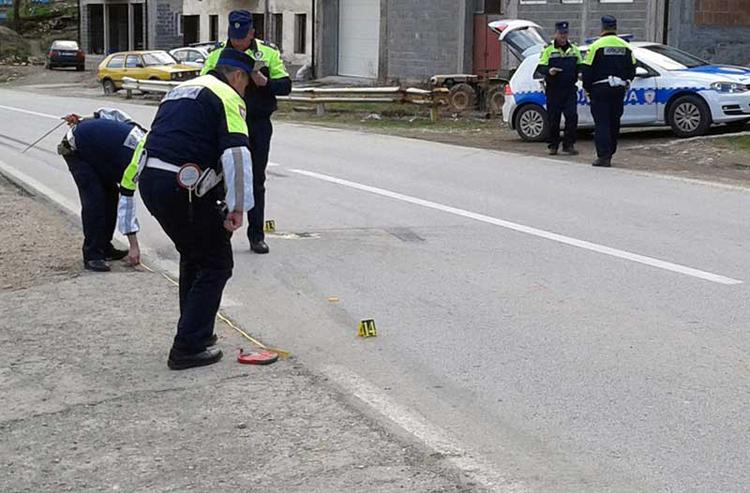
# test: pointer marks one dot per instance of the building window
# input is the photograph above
(213, 27)
(178, 24)
(259, 24)
(494, 7)
(278, 30)
(300, 33)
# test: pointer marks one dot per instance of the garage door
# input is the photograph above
(359, 35)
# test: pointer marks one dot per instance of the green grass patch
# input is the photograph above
(741, 143)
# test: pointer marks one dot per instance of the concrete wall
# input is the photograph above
(163, 20)
(585, 17)
(716, 43)
(428, 37)
(288, 9)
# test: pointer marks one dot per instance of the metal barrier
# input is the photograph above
(320, 96)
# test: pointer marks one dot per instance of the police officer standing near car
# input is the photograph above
(609, 69)
(196, 180)
(269, 79)
(97, 151)
(559, 65)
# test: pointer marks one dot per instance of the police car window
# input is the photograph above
(158, 58)
(117, 62)
(672, 58)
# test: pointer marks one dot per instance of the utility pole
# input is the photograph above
(267, 21)
(17, 15)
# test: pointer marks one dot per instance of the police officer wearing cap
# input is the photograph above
(97, 150)
(559, 65)
(609, 69)
(195, 178)
(270, 79)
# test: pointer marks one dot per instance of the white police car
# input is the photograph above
(671, 88)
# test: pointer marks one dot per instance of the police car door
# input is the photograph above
(640, 99)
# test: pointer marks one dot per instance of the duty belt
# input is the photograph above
(208, 180)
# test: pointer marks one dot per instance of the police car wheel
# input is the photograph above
(689, 116)
(531, 123)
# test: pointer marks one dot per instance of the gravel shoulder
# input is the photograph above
(91, 406)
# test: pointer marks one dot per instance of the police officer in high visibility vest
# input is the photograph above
(97, 151)
(559, 65)
(609, 68)
(196, 180)
(270, 79)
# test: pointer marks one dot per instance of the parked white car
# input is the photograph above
(194, 56)
(671, 88)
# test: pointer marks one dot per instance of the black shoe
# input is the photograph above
(259, 246)
(179, 360)
(570, 151)
(116, 254)
(553, 151)
(602, 163)
(96, 265)
(211, 341)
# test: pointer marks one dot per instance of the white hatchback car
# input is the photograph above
(671, 88)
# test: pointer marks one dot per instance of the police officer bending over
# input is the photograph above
(97, 151)
(609, 69)
(197, 182)
(559, 65)
(269, 80)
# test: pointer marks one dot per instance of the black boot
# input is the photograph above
(570, 151)
(180, 360)
(601, 162)
(115, 254)
(259, 247)
(96, 265)
(552, 151)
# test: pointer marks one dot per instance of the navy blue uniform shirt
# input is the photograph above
(191, 127)
(101, 143)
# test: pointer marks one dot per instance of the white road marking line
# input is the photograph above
(586, 245)
(35, 113)
(432, 436)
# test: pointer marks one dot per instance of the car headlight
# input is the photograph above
(731, 87)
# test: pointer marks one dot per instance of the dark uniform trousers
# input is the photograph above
(562, 102)
(261, 130)
(607, 105)
(205, 252)
(99, 196)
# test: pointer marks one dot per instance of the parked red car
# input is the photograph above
(66, 54)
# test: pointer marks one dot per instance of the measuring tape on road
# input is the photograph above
(282, 353)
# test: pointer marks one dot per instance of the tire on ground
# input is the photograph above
(461, 98)
(689, 116)
(109, 87)
(494, 101)
(531, 123)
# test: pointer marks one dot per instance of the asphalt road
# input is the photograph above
(548, 325)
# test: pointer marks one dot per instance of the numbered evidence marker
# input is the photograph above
(270, 226)
(367, 328)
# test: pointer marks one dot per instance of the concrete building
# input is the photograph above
(717, 30)
(401, 40)
(289, 24)
(106, 26)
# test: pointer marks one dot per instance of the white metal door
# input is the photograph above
(359, 37)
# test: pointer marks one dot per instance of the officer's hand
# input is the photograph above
(72, 119)
(259, 79)
(233, 222)
(554, 71)
(134, 256)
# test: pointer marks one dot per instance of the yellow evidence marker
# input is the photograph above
(367, 328)
(270, 226)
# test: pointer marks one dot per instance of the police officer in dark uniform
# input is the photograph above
(559, 65)
(270, 79)
(609, 69)
(196, 159)
(97, 151)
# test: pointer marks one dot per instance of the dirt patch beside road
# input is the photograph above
(37, 245)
